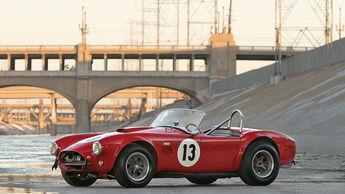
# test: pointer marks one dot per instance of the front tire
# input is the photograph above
(78, 182)
(260, 164)
(135, 167)
(202, 181)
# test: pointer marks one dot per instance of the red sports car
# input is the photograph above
(174, 146)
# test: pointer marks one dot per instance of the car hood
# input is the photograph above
(86, 144)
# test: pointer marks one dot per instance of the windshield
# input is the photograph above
(179, 118)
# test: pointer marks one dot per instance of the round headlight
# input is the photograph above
(97, 148)
(53, 148)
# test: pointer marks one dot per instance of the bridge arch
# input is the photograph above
(129, 104)
(49, 86)
(190, 93)
(42, 115)
(191, 86)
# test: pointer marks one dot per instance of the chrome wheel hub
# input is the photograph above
(137, 166)
(263, 164)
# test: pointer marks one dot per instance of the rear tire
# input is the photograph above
(135, 167)
(202, 181)
(78, 182)
(260, 164)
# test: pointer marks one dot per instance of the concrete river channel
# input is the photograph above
(25, 167)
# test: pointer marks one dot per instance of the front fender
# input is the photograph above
(69, 140)
(118, 143)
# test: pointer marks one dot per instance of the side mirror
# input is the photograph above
(176, 122)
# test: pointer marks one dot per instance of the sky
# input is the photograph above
(55, 22)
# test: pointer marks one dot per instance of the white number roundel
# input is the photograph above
(188, 152)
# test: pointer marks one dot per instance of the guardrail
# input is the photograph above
(148, 47)
(69, 48)
(272, 48)
(37, 48)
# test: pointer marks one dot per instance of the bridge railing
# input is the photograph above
(144, 47)
(37, 48)
(272, 48)
(148, 47)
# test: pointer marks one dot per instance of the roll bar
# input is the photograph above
(229, 120)
(242, 118)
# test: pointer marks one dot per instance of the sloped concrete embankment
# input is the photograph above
(309, 107)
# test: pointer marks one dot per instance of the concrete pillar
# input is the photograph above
(53, 130)
(105, 62)
(44, 63)
(223, 62)
(223, 56)
(9, 62)
(29, 67)
(41, 115)
(123, 62)
(208, 65)
(83, 109)
(157, 62)
(61, 63)
(174, 63)
(83, 117)
(191, 63)
(129, 109)
(26, 58)
(84, 59)
(140, 63)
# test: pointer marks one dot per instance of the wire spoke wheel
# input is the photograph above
(137, 166)
(263, 164)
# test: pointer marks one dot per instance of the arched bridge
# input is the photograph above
(84, 74)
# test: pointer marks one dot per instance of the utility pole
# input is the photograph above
(158, 10)
(177, 23)
(229, 21)
(223, 22)
(142, 23)
(340, 28)
(215, 16)
(329, 22)
(83, 27)
(278, 19)
(53, 130)
(188, 21)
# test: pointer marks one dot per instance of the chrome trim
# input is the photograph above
(53, 148)
(96, 143)
(137, 166)
(262, 164)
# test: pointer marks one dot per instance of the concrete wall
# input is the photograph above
(261, 75)
(304, 62)
(314, 59)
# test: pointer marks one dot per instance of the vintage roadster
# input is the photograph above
(174, 146)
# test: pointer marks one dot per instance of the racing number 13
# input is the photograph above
(188, 152)
(185, 148)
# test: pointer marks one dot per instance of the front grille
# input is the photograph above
(72, 158)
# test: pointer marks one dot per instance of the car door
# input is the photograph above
(218, 153)
(179, 152)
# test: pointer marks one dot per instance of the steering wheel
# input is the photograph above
(192, 124)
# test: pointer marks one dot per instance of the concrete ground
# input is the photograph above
(289, 181)
(311, 174)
